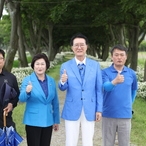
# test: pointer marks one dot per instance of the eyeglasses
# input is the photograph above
(82, 45)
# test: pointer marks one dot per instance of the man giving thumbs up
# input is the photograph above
(81, 78)
(120, 86)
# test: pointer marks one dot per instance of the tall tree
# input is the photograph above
(1, 7)
(13, 11)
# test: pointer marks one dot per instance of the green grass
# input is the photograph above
(141, 58)
(138, 132)
(17, 117)
(16, 63)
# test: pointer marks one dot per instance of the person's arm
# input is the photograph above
(14, 93)
(99, 93)
(133, 95)
(63, 79)
(23, 93)
(14, 101)
(108, 86)
(55, 106)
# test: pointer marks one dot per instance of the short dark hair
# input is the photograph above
(119, 47)
(78, 35)
(40, 56)
(2, 52)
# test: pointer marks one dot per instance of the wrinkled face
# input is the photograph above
(40, 66)
(119, 57)
(2, 61)
(79, 47)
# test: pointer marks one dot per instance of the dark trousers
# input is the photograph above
(38, 136)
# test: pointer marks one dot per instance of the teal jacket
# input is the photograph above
(40, 111)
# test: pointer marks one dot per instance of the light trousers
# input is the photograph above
(72, 129)
(112, 125)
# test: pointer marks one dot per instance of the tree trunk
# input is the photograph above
(50, 49)
(144, 71)
(105, 52)
(134, 46)
(21, 48)
(91, 50)
(1, 7)
(13, 11)
(35, 30)
(99, 51)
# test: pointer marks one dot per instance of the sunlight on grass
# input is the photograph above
(17, 117)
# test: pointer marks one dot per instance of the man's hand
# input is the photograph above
(98, 116)
(119, 79)
(29, 87)
(9, 108)
(64, 76)
(56, 127)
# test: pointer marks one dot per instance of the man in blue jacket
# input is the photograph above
(120, 86)
(81, 78)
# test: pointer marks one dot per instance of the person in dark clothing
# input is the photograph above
(7, 81)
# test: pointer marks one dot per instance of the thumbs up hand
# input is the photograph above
(64, 76)
(29, 87)
(119, 79)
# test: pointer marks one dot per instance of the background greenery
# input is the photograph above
(48, 25)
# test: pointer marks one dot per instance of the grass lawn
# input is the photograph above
(138, 132)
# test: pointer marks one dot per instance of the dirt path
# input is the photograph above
(58, 138)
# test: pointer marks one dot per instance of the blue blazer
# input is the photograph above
(87, 95)
(40, 111)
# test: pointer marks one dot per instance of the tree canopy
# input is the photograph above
(47, 25)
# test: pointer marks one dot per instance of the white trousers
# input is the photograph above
(72, 129)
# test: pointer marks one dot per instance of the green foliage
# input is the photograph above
(54, 72)
(5, 29)
(134, 5)
(16, 63)
(142, 46)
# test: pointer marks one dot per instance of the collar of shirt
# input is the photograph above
(2, 73)
(114, 70)
(79, 62)
(44, 85)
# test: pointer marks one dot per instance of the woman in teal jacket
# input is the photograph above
(41, 114)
